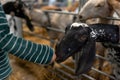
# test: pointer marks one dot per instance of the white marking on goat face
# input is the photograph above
(69, 49)
(102, 31)
(94, 34)
(78, 25)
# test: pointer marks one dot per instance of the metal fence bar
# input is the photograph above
(73, 13)
(101, 57)
(67, 67)
(50, 28)
(72, 70)
(60, 76)
(89, 77)
(103, 73)
(39, 36)
(56, 29)
(112, 18)
(65, 73)
(60, 12)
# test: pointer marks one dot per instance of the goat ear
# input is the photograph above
(84, 59)
(16, 3)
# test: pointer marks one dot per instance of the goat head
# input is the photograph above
(77, 39)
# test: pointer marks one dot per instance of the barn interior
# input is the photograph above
(60, 13)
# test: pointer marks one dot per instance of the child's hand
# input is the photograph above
(53, 58)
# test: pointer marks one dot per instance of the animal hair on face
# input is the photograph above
(78, 25)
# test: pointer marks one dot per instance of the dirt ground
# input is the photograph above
(23, 70)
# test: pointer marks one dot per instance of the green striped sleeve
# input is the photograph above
(26, 50)
(5, 68)
(22, 48)
(3, 22)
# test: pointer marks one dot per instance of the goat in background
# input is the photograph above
(99, 10)
(18, 9)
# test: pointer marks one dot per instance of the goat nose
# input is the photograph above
(80, 16)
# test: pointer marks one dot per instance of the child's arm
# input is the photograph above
(22, 48)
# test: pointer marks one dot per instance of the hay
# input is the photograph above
(23, 70)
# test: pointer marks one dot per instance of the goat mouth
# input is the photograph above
(61, 59)
(58, 60)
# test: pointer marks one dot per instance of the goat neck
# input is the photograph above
(105, 32)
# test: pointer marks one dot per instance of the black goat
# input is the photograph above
(18, 8)
(82, 37)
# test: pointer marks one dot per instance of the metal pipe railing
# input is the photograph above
(103, 73)
(60, 12)
(65, 73)
(72, 70)
(73, 13)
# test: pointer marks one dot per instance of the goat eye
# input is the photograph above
(99, 5)
(82, 38)
(102, 4)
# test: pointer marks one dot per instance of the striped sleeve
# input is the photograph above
(26, 50)
(22, 48)
(5, 68)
